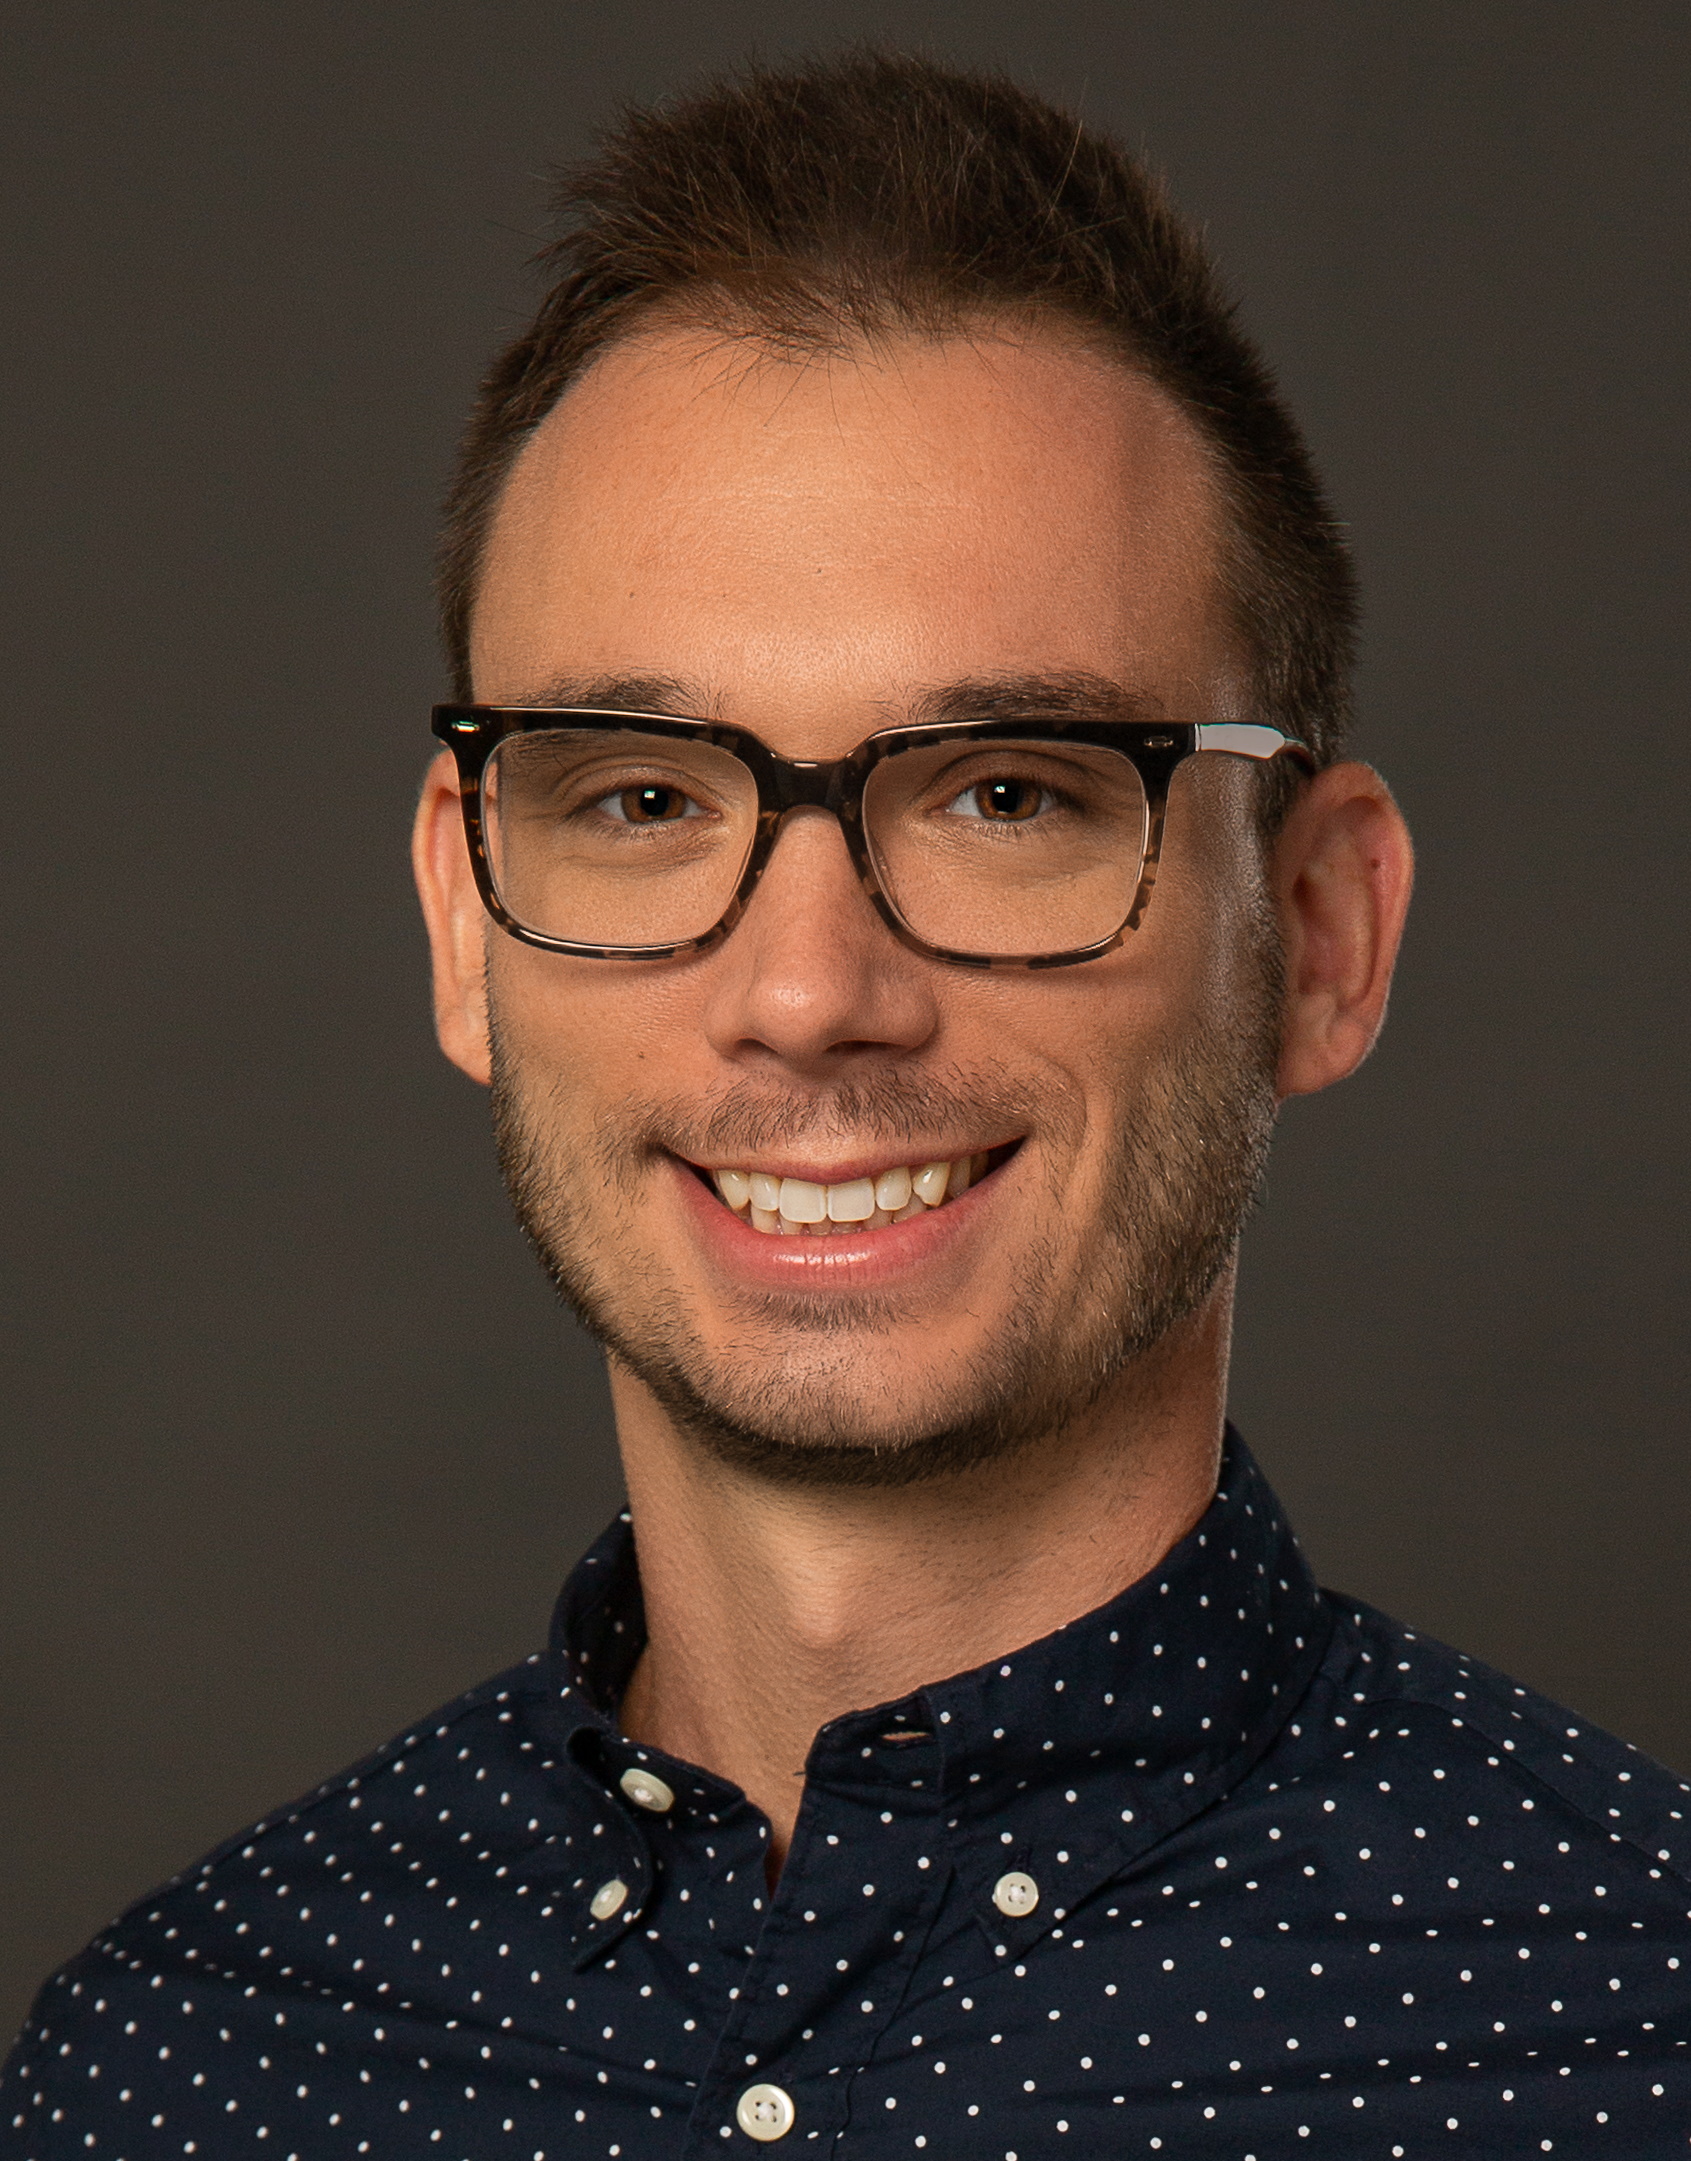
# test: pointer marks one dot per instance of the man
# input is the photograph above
(891, 854)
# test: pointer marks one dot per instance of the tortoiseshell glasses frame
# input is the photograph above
(1155, 750)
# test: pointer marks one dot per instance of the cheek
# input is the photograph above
(587, 1037)
(1107, 1033)
(545, 1029)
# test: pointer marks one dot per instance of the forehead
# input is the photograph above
(842, 532)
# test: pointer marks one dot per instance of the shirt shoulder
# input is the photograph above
(1461, 1723)
(464, 1792)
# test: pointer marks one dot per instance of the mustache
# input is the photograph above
(889, 1109)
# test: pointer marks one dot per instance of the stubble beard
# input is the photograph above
(1192, 1145)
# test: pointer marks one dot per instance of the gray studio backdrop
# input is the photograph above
(295, 1444)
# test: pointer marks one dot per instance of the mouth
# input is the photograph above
(782, 1207)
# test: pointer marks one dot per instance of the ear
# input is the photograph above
(457, 921)
(1340, 869)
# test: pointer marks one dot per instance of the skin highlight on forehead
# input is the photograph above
(1049, 481)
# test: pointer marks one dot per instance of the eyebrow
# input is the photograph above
(1069, 694)
(672, 695)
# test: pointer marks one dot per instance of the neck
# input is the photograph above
(771, 1609)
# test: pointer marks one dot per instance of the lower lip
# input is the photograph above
(843, 1261)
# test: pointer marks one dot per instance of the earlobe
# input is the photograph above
(456, 920)
(1342, 868)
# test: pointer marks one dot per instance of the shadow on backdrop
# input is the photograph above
(296, 1443)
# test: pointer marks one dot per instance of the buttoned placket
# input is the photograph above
(849, 1915)
(829, 1952)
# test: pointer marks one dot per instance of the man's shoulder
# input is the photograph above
(461, 1740)
(1452, 1725)
(462, 1790)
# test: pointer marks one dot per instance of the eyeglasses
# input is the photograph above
(988, 843)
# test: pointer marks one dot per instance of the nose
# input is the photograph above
(811, 979)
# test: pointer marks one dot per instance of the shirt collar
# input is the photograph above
(1094, 1743)
(1097, 1742)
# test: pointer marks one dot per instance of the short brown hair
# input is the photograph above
(870, 194)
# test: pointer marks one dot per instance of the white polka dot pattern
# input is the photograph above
(1306, 1883)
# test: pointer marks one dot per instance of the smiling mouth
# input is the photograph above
(799, 1207)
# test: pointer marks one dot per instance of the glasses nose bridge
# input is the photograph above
(805, 784)
(790, 785)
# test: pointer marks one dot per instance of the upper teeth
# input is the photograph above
(799, 1204)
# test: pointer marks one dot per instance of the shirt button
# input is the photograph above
(1015, 1894)
(608, 1899)
(646, 1790)
(764, 2113)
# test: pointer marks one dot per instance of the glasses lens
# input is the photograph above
(1006, 849)
(616, 838)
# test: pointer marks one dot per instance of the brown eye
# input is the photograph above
(1007, 800)
(652, 805)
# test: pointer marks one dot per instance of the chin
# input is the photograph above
(801, 1409)
(817, 1424)
(861, 1463)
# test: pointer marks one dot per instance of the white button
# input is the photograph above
(608, 1899)
(1015, 1894)
(646, 1790)
(764, 2113)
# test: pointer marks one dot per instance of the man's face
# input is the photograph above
(809, 549)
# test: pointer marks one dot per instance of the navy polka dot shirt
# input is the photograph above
(1231, 1867)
